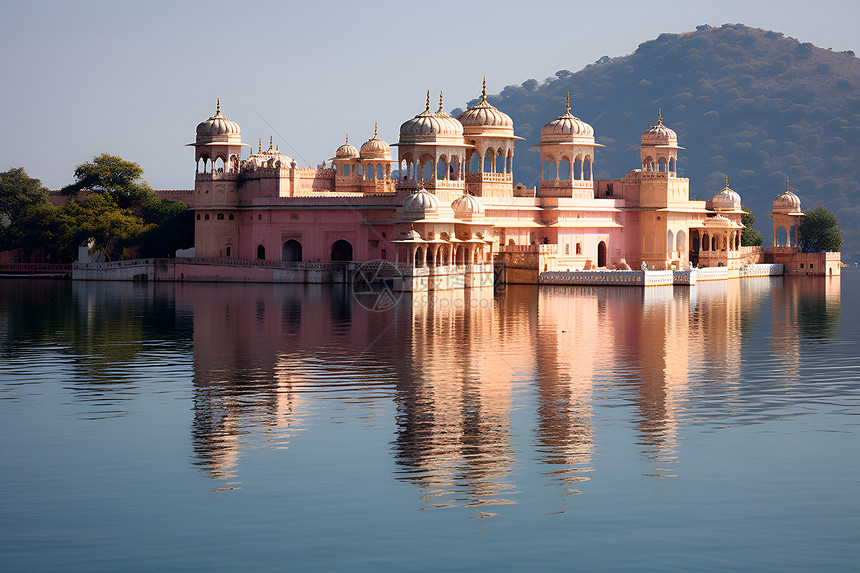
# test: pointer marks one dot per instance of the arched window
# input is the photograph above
(577, 168)
(661, 165)
(671, 165)
(706, 242)
(488, 161)
(292, 251)
(670, 241)
(206, 217)
(261, 252)
(220, 216)
(419, 257)
(341, 251)
(500, 162)
(681, 242)
(228, 250)
(586, 168)
(380, 171)
(346, 169)
(442, 168)
(475, 162)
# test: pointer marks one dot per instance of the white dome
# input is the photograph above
(218, 129)
(483, 117)
(429, 127)
(467, 207)
(346, 151)
(726, 199)
(659, 134)
(786, 202)
(375, 148)
(421, 204)
(567, 128)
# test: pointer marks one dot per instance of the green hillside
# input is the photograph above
(751, 104)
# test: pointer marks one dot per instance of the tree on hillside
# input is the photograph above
(749, 237)
(818, 231)
(18, 192)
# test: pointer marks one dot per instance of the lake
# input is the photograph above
(226, 427)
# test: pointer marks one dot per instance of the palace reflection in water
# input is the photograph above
(453, 375)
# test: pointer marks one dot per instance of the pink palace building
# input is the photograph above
(446, 208)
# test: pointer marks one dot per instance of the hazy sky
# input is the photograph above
(134, 78)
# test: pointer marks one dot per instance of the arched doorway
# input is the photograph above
(261, 252)
(601, 254)
(292, 251)
(341, 251)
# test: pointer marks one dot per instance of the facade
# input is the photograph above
(446, 208)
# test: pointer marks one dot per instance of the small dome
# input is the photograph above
(467, 207)
(218, 128)
(412, 235)
(726, 200)
(346, 151)
(420, 204)
(659, 134)
(786, 202)
(375, 148)
(566, 128)
(430, 126)
(270, 158)
(484, 117)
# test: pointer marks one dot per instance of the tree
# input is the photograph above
(18, 192)
(749, 237)
(111, 175)
(818, 231)
(99, 219)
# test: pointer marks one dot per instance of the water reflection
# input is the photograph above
(472, 386)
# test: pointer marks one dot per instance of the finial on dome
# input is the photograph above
(727, 181)
(427, 108)
(441, 106)
(374, 130)
(259, 145)
(347, 139)
(271, 142)
(567, 105)
(218, 106)
(787, 188)
(660, 121)
(484, 91)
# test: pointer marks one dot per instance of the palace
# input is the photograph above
(446, 208)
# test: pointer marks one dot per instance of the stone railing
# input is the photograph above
(34, 268)
(762, 270)
(538, 248)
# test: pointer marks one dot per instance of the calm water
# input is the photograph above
(272, 427)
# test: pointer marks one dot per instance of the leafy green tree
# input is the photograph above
(818, 231)
(749, 237)
(109, 226)
(18, 192)
(173, 228)
(49, 227)
(114, 176)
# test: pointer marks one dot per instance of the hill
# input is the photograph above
(748, 103)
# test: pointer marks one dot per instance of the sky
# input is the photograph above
(135, 78)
